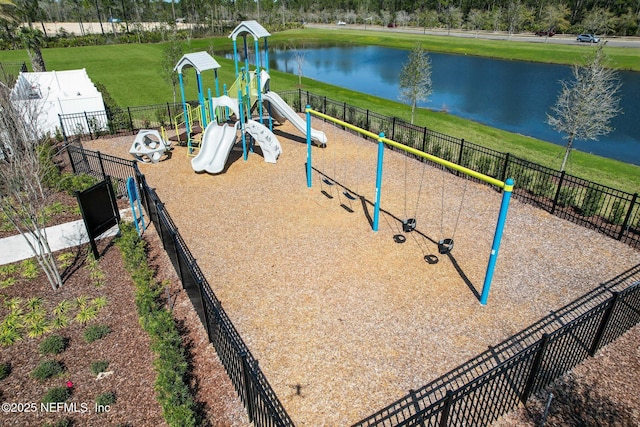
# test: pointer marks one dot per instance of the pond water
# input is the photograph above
(510, 95)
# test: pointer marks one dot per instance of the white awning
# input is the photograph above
(201, 61)
(249, 27)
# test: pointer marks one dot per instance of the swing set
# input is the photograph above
(330, 183)
(409, 224)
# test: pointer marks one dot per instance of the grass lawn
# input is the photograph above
(133, 76)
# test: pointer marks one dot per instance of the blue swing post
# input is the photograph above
(376, 209)
(497, 238)
(308, 111)
(506, 186)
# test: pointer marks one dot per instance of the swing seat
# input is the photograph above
(399, 238)
(445, 246)
(327, 195)
(431, 259)
(327, 181)
(349, 195)
(408, 225)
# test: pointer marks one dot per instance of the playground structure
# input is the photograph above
(210, 129)
(445, 245)
(150, 145)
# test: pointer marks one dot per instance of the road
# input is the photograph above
(631, 42)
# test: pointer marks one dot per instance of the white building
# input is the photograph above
(62, 92)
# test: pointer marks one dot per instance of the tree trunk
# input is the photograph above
(567, 152)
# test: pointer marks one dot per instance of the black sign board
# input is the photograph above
(99, 210)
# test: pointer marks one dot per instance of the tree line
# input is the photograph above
(619, 17)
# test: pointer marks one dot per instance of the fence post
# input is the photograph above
(246, 376)
(460, 155)
(535, 368)
(86, 118)
(555, 199)
(424, 140)
(416, 406)
(393, 128)
(101, 164)
(158, 221)
(64, 134)
(73, 164)
(344, 111)
(597, 340)
(505, 167)
(174, 238)
(625, 224)
(130, 119)
(368, 119)
(446, 410)
(169, 111)
(324, 105)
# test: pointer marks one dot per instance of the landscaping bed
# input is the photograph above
(110, 381)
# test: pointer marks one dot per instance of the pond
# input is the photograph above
(509, 95)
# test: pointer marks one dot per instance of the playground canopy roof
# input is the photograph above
(201, 61)
(249, 27)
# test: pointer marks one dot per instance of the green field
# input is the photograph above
(132, 75)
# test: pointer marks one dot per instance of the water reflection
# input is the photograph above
(510, 95)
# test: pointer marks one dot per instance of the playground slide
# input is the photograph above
(280, 108)
(217, 142)
(270, 145)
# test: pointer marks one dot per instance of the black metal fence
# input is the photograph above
(261, 403)
(120, 120)
(493, 383)
(612, 212)
(101, 165)
(474, 394)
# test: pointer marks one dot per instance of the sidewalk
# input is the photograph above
(63, 236)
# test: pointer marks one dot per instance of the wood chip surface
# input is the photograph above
(342, 319)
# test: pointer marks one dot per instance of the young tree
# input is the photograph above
(586, 104)
(24, 168)
(172, 53)
(300, 59)
(415, 78)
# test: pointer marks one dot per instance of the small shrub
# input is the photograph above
(29, 269)
(567, 197)
(8, 282)
(8, 269)
(544, 187)
(95, 271)
(65, 260)
(54, 344)
(99, 302)
(592, 202)
(99, 366)
(5, 370)
(618, 211)
(36, 323)
(105, 399)
(57, 394)
(9, 335)
(47, 369)
(72, 183)
(96, 332)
